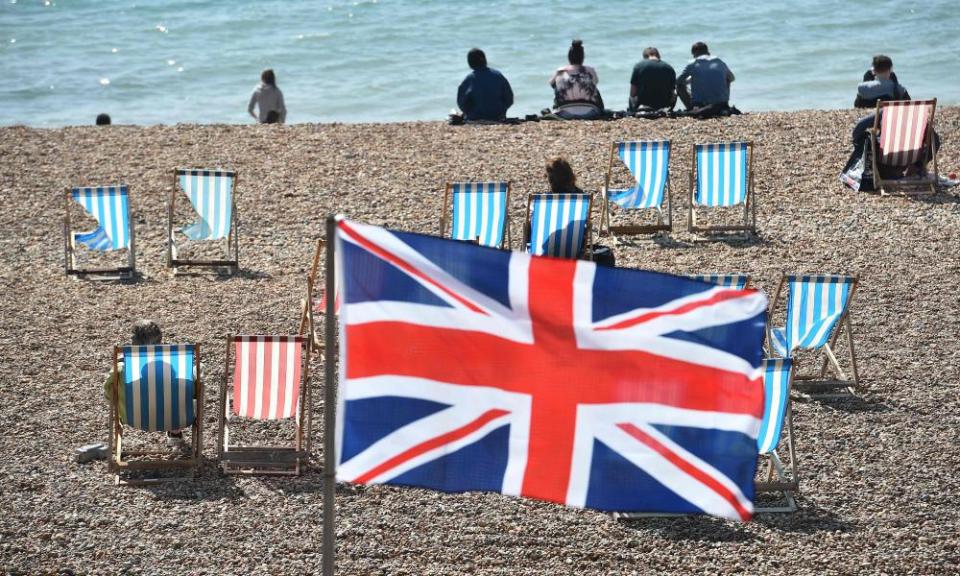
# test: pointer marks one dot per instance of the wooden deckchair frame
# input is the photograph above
(306, 305)
(155, 460)
(779, 477)
(586, 251)
(231, 242)
(662, 224)
(273, 460)
(749, 224)
(69, 248)
(899, 185)
(811, 383)
(447, 207)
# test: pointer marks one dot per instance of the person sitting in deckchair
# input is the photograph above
(145, 332)
(561, 177)
(880, 85)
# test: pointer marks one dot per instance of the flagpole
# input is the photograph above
(329, 407)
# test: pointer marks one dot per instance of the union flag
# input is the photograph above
(470, 368)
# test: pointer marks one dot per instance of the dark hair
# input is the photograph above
(103, 119)
(575, 53)
(699, 49)
(651, 51)
(268, 77)
(560, 175)
(476, 59)
(882, 63)
(272, 117)
(146, 332)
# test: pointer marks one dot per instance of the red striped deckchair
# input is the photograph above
(270, 382)
(903, 134)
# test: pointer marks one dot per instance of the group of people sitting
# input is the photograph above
(703, 87)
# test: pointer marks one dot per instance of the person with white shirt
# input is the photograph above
(268, 99)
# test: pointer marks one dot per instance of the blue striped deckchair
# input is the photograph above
(649, 163)
(817, 306)
(110, 206)
(212, 195)
(558, 224)
(738, 281)
(479, 212)
(776, 428)
(722, 177)
(160, 393)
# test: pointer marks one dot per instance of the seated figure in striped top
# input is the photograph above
(144, 332)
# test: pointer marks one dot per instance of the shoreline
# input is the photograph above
(874, 481)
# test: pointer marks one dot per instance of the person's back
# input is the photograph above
(485, 93)
(709, 79)
(268, 98)
(652, 83)
(575, 92)
(879, 84)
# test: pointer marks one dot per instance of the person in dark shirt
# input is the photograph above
(561, 177)
(705, 81)
(484, 94)
(879, 83)
(652, 85)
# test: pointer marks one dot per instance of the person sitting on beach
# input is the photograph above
(484, 93)
(145, 332)
(705, 82)
(268, 99)
(561, 177)
(575, 93)
(879, 83)
(652, 85)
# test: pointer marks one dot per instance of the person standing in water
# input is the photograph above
(268, 99)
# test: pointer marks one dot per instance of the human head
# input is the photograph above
(146, 332)
(103, 119)
(560, 175)
(651, 52)
(699, 49)
(268, 77)
(575, 53)
(476, 59)
(882, 64)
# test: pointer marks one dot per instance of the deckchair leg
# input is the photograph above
(853, 354)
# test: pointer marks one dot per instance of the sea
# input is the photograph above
(171, 61)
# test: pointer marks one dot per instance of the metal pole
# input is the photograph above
(329, 409)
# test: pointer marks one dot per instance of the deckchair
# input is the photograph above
(776, 429)
(738, 281)
(271, 376)
(649, 163)
(161, 391)
(479, 212)
(313, 304)
(110, 206)
(818, 306)
(558, 225)
(903, 136)
(722, 177)
(212, 195)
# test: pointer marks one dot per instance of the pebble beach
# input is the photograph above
(877, 471)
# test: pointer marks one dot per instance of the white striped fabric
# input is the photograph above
(738, 281)
(721, 174)
(211, 194)
(903, 130)
(110, 205)
(558, 224)
(776, 386)
(814, 305)
(479, 211)
(649, 162)
(159, 386)
(266, 377)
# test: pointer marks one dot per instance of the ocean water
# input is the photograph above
(169, 61)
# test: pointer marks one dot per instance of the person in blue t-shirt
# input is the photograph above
(484, 94)
(708, 78)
